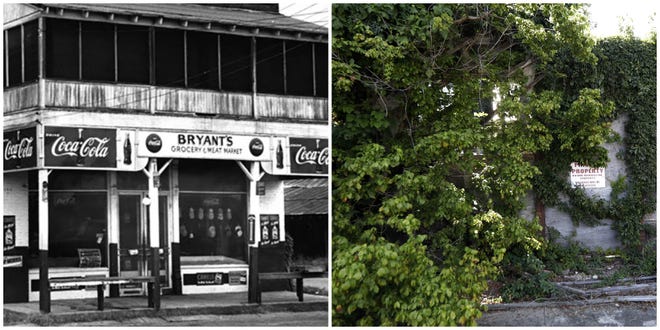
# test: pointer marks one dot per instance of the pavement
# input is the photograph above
(174, 307)
(637, 311)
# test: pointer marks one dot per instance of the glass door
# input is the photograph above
(134, 247)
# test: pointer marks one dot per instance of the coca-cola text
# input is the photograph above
(90, 147)
(319, 157)
(22, 149)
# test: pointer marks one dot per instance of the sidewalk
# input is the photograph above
(84, 310)
(629, 311)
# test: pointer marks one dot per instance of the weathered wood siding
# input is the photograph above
(96, 95)
(22, 97)
(206, 102)
(142, 98)
(295, 107)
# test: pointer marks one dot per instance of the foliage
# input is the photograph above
(429, 176)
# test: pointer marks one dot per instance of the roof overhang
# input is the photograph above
(188, 17)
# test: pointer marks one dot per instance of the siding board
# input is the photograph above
(89, 95)
(295, 107)
(22, 97)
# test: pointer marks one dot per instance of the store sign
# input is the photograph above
(238, 278)
(270, 229)
(10, 232)
(202, 146)
(209, 278)
(80, 147)
(309, 155)
(587, 177)
(261, 188)
(20, 148)
(12, 261)
(89, 258)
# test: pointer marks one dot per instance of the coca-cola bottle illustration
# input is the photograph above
(127, 150)
(317, 152)
(18, 140)
(279, 155)
(275, 232)
(80, 161)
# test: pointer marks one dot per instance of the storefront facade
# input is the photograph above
(178, 147)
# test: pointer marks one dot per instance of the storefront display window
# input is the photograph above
(212, 225)
(77, 218)
(213, 209)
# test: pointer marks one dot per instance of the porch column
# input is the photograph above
(42, 201)
(113, 233)
(176, 241)
(253, 210)
(154, 241)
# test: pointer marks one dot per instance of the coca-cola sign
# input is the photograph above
(80, 147)
(20, 148)
(309, 155)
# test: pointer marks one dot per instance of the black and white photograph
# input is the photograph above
(166, 164)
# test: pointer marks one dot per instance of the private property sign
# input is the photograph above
(587, 177)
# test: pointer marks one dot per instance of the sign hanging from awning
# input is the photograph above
(587, 177)
(203, 146)
(72, 148)
(20, 149)
(298, 157)
(309, 155)
(80, 147)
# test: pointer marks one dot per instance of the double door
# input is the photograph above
(134, 248)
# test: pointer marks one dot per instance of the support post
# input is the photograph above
(154, 223)
(42, 201)
(253, 249)
(41, 95)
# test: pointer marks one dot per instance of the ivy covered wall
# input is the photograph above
(623, 213)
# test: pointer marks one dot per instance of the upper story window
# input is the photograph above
(170, 58)
(21, 57)
(98, 51)
(235, 66)
(62, 49)
(119, 53)
(132, 54)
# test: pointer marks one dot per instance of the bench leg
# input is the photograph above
(99, 297)
(299, 288)
(150, 293)
(258, 292)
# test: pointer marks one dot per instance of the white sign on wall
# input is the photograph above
(203, 146)
(587, 177)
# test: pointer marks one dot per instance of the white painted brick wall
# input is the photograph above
(273, 201)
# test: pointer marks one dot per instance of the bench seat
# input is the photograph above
(297, 275)
(100, 282)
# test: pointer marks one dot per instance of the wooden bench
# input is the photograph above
(100, 282)
(297, 275)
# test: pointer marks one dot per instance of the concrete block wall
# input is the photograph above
(600, 236)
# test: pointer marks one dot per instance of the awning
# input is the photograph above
(306, 196)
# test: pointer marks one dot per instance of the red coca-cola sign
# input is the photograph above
(309, 155)
(80, 147)
(20, 148)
